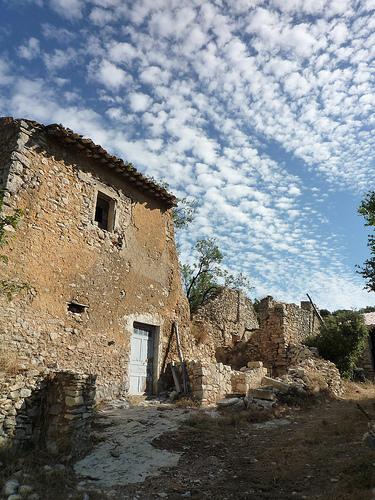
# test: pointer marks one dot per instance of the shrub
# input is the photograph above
(341, 339)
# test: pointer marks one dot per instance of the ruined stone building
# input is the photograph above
(227, 329)
(96, 245)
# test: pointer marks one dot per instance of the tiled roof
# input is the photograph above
(91, 150)
(369, 318)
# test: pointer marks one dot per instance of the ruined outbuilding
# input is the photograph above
(96, 245)
(227, 329)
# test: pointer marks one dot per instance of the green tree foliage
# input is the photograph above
(202, 278)
(367, 210)
(367, 309)
(341, 340)
(184, 213)
(6, 221)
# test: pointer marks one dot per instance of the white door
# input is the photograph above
(141, 359)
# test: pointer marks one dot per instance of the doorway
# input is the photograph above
(142, 359)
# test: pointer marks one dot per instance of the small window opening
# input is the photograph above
(75, 307)
(102, 212)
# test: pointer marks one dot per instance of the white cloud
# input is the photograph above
(30, 50)
(5, 73)
(101, 17)
(112, 76)
(59, 59)
(70, 9)
(139, 102)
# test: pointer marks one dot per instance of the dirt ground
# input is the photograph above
(306, 448)
(312, 449)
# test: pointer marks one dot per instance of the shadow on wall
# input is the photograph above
(47, 412)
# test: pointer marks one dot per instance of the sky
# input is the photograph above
(263, 111)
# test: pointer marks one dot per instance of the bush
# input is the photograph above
(341, 340)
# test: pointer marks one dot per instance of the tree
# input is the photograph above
(367, 210)
(6, 221)
(202, 278)
(341, 339)
(184, 213)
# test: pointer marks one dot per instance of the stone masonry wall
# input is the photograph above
(130, 274)
(227, 317)
(45, 409)
(237, 342)
(210, 382)
(281, 324)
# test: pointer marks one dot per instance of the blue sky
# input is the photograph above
(261, 110)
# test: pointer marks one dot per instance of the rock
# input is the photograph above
(25, 489)
(10, 487)
(277, 384)
(263, 403)
(369, 440)
(261, 393)
(238, 406)
(255, 364)
(223, 403)
(173, 396)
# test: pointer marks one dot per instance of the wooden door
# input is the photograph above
(141, 359)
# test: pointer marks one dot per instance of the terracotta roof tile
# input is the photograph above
(96, 152)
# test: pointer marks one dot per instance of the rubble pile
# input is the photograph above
(311, 373)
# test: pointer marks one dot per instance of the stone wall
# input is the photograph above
(210, 382)
(228, 325)
(45, 409)
(120, 276)
(224, 319)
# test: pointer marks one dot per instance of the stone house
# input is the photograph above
(96, 245)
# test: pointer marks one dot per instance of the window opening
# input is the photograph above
(104, 212)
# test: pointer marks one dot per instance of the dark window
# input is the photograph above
(105, 212)
(102, 212)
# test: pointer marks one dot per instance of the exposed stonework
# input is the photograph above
(45, 409)
(281, 325)
(89, 285)
(226, 330)
(209, 382)
(223, 320)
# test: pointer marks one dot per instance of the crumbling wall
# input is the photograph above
(224, 319)
(281, 324)
(210, 382)
(45, 409)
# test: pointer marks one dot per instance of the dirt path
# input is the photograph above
(304, 453)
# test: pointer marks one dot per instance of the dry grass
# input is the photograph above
(9, 363)
(199, 332)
